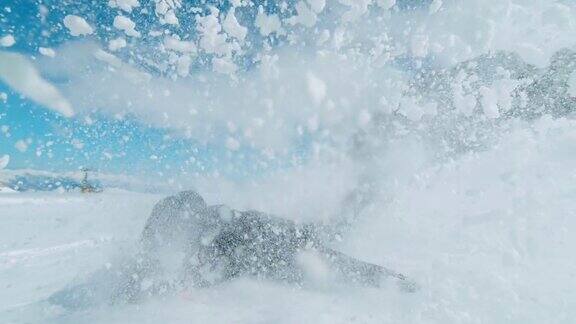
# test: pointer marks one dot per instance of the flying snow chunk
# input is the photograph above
(77, 25)
(174, 44)
(47, 51)
(116, 44)
(232, 27)
(126, 5)
(7, 41)
(316, 88)
(170, 18)
(127, 25)
(22, 76)
(4, 160)
(268, 24)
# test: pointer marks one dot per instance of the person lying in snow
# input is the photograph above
(188, 244)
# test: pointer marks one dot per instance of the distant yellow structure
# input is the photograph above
(85, 185)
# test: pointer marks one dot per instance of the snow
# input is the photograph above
(232, 144)
(317, 5)
(267, 24)
(316, 88)
(21, 145)
(212, 40)
(126, 5)
(47, 51)
(232, 27)
(435, 6)
(21, 74)
(443, 108)
(7, 41)
(116, 44)
(572, 84)
(175, 44)
(305, 15)
(126, 24)
(4, 160)
(224, 65)
(386, 4)
(489, 241)
(77, 25)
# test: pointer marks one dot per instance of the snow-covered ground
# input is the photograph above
(488, 235)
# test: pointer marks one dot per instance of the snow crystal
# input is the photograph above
(77, 25)
(7, 41)
(127, 25)
(116, 44)
(47, 51)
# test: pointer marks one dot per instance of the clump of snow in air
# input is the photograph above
(267, 24)
(7, 41)
(116, 44)
(127, 25)
(47, 51)
(77, 25)
(126, 5)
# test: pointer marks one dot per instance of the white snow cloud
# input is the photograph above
(20, 74)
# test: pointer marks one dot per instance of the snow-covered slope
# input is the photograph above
(488, 235)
